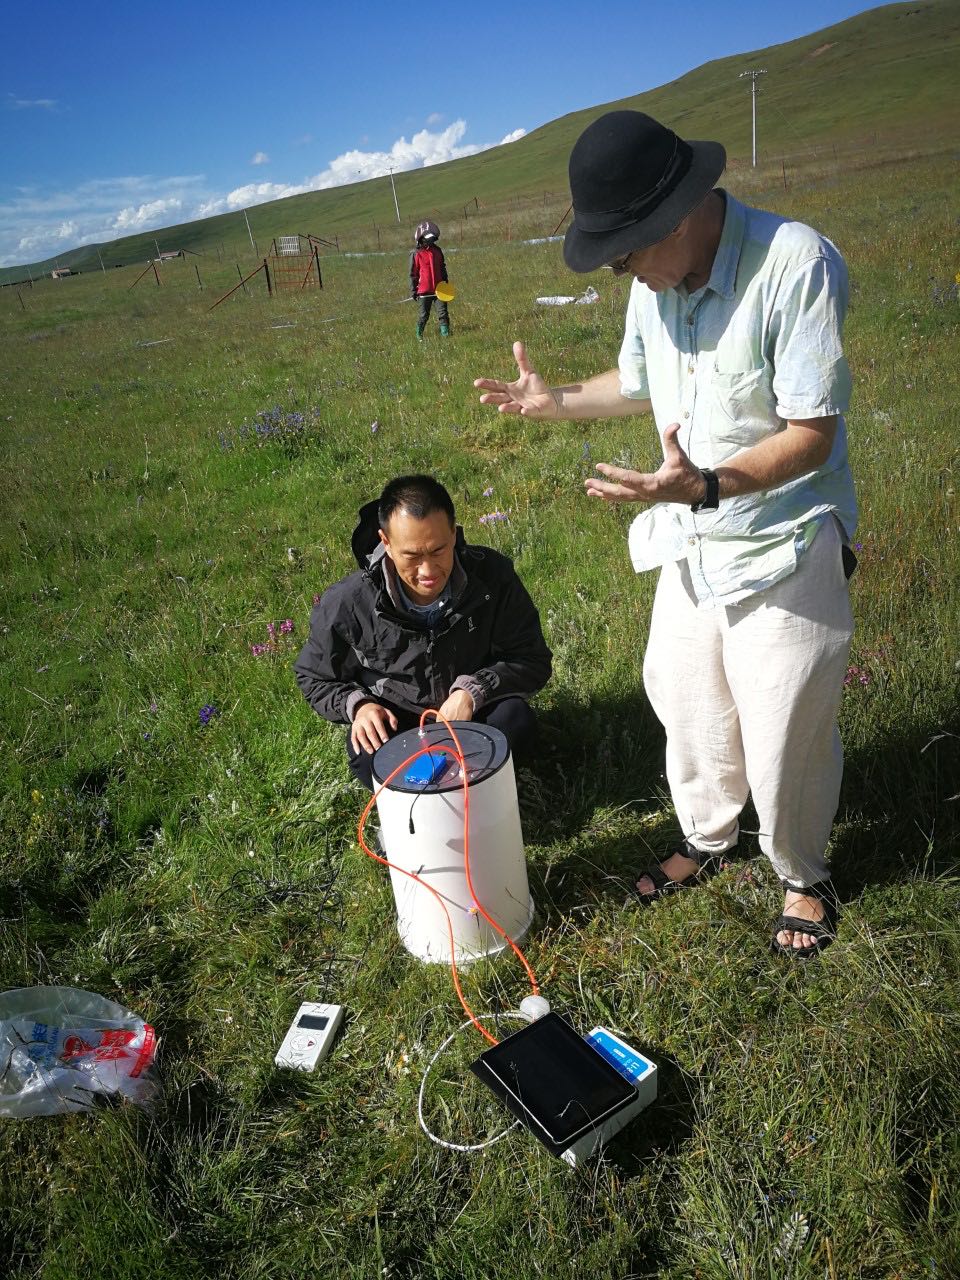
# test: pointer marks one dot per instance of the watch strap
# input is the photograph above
(711, 498)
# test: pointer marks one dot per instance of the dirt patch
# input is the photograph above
(823, 49)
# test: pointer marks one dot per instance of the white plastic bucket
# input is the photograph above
(433, 850)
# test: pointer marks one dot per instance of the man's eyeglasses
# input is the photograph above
(619, 265)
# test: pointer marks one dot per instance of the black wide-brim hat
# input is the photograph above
(633, 181)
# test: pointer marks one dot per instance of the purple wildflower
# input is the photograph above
(153, 706)
(258, 650)
(316, 599)
(494, 517)
(271, 630)
(207, 712)
(286, 626)
(488, 493)
(375, 426)
(856, 675)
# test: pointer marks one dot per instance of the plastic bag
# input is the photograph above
(561, 299)
(60, 1048)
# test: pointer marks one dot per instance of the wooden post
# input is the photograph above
(22, 303)
(266, 271)
(199, 281)
(242, 281)
(316, 258)
(783, 170)
(143, 273)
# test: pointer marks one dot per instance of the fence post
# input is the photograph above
(242, 281)
(22, 303)
(783, 170)
(156, 274)
(316, 258)
(266, 271)
(199, 281)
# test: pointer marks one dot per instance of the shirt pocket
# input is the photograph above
(744, 409)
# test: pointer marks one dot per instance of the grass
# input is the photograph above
(806, 1122)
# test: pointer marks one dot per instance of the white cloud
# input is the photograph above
(37, 224)
(434, 118)
(155, 213)
(29, 104)
(259, 157)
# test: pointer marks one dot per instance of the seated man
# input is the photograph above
(426, 621)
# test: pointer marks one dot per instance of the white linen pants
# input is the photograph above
(748, 695)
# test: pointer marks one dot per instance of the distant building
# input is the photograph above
(171, 253)
(59, 272)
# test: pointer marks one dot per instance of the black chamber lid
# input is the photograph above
(485, 750)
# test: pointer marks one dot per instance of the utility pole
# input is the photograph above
(102, 267)
(253, 245)
(753, 103)
(158, 247)
(394, 186)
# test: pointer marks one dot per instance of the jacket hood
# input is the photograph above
(366, 544)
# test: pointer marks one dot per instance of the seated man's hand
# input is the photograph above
(370, 727)
(459, 706)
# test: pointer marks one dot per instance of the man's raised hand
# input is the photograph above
(529, 395)
(675, 480)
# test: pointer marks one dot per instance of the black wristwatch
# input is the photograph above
(711, 499)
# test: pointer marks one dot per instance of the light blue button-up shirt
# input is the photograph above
(758, 345)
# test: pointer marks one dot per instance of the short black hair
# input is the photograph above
(419, 496)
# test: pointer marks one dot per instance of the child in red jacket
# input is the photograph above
(427, 270)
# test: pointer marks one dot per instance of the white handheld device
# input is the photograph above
(310, 1036)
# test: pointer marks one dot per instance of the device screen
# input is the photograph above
(562, 1081)
(313, 1022)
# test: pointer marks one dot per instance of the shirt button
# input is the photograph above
(691, 542)
(686, 414)
(690, 368)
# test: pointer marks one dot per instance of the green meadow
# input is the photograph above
(177, 480)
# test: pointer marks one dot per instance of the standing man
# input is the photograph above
(733, 343)
(427, 620)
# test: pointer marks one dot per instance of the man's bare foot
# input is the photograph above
(677, 867)
(804, 907)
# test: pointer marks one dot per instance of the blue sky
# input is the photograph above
(116, 118)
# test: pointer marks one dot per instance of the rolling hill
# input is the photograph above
(891, 70)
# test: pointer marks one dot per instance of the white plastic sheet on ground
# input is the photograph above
(60, 1048)
(561, 299)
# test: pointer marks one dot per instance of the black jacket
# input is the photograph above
(363, 647)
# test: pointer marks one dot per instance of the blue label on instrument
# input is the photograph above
(631, 1065)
